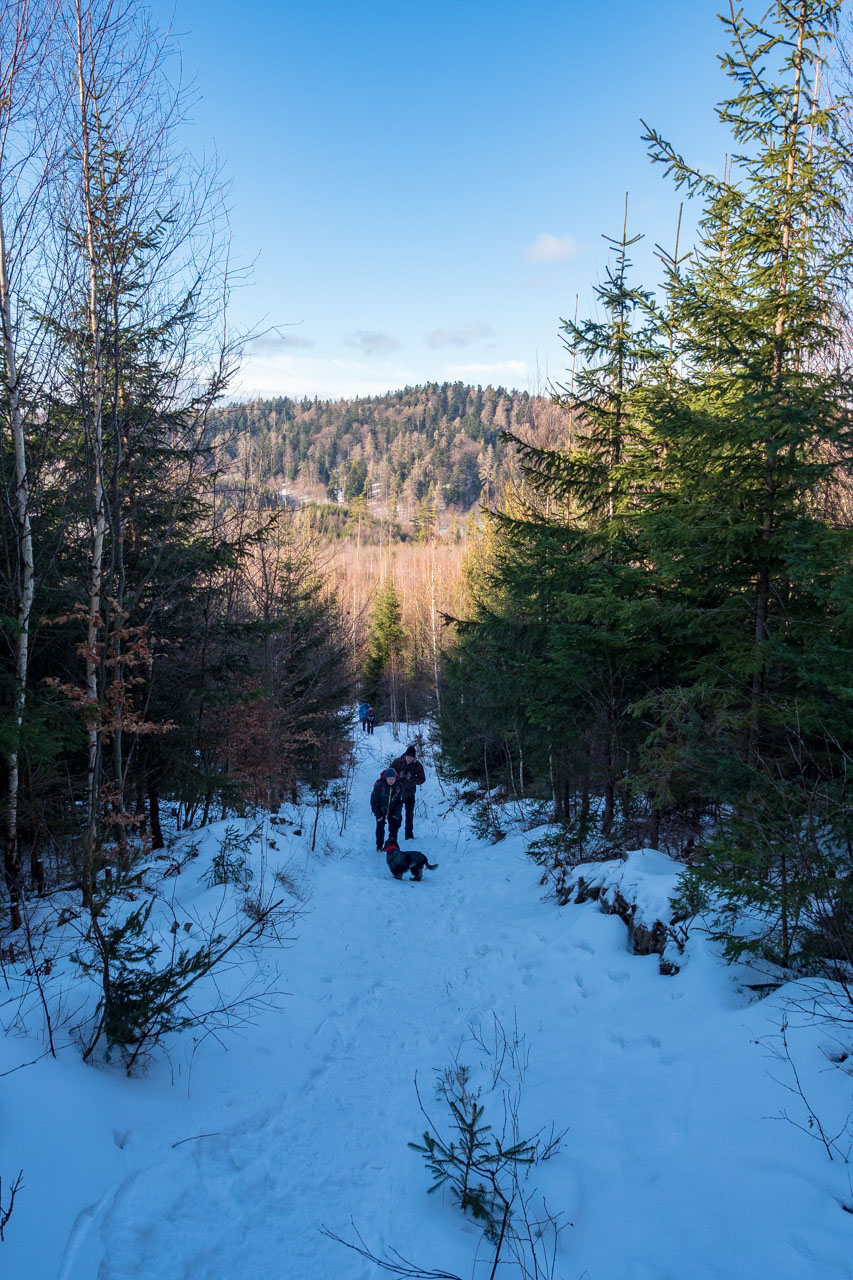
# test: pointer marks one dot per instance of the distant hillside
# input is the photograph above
(437, 445)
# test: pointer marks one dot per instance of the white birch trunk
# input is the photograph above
(25, 579)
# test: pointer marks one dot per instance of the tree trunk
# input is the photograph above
(585, 790)
(556, 792)
(763, 582)
(25, 584)
(609, 790)
(157, 841)
(93, 631)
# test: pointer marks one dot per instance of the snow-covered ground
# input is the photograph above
(228, 1156)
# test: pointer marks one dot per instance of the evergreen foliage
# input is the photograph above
(475, 1161)
(440, 444)
(670, 602)
(382, 670)
(141, 998)
(486, 1167)
(183, 645)
(229, 865)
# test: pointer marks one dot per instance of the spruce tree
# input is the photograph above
(613, 356)
(570, 563)
(675, 598)
(758, 434)
(381, 672)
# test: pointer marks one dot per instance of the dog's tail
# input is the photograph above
(432, 865)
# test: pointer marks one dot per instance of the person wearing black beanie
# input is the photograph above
(410, 773)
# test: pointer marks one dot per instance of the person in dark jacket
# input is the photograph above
(410, 771)
(386, 801)
(370, 718)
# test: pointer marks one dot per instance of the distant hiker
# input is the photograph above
(410, 771)
(386, 801)
(402, 860)
(362, 715)
(370, 717)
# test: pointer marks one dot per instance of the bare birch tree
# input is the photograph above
(27, 130)
(144, 279)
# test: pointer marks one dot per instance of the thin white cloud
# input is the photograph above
(508, 372)
(273, 343)
(370, 343)
(296, 376)
(548, 248)
(462, 337)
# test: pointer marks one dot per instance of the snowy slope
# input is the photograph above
(228, 1158)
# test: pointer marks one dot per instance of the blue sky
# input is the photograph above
(422, 189)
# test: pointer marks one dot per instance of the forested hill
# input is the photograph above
(438, 443)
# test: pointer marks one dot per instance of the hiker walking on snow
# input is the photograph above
(371, 717)
(362, 715)
(410, 771)
(386, 801)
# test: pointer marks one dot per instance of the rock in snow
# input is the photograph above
(639, 889)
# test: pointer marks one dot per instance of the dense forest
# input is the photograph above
(162, 644)
(613, 623)
(442, 445)
(652, 635)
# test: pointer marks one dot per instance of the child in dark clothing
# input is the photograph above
(386, 802)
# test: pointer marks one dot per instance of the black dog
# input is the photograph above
(402, 860)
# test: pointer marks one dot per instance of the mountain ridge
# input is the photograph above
(440, 444)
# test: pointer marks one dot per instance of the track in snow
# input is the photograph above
(669, 1170)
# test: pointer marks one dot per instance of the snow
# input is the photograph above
(229, 1155)
(646, 878)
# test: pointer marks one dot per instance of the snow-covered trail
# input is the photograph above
(386, 977)
(669, 1170)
